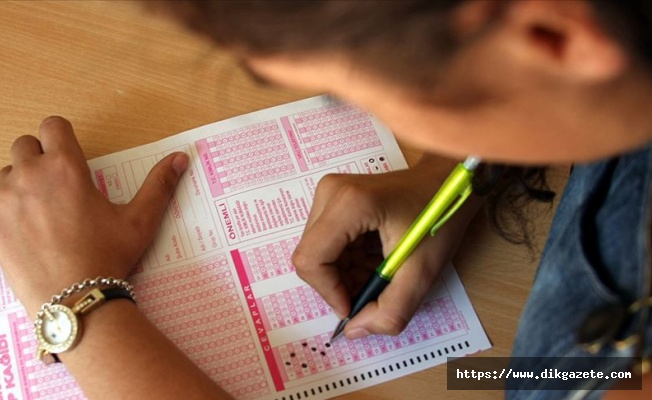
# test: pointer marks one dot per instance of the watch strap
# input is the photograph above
(113, 293)
(97, 297)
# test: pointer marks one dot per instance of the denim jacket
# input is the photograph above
(597, 254)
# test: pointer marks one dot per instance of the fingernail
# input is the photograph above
(357, 333)
(180, 163)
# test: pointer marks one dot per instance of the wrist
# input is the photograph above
(59, 325)
(33, 295)
(102, 327)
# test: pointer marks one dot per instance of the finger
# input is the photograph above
(57, 135)
(326, 190)
(321, 245)
(149, 204)
(396, 305)
(24, 148)
(324, 277)
(5, 171)
(402, 297)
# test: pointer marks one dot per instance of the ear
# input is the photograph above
(564, 37)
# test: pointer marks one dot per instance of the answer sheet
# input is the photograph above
(218, 280)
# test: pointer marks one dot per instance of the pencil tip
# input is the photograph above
(339, 329)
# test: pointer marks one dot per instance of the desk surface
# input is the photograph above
(125, 78)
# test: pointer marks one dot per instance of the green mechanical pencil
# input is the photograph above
(448, 199)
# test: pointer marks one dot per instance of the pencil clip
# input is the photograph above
(460, 200)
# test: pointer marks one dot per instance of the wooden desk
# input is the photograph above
(125, 78)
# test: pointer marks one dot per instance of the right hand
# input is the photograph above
(336, 253)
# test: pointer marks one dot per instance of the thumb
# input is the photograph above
(397, 304)
(153, 197)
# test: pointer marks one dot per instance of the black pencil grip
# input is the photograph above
(370, 292)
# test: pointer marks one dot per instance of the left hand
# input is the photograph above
(57, 229)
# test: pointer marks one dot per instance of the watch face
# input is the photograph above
(58, 329)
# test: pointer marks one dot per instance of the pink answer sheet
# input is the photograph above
(218, 279)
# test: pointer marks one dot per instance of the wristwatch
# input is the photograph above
(59, 328)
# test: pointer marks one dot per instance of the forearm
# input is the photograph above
(123, 355)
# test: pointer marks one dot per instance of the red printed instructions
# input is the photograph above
(218, 279)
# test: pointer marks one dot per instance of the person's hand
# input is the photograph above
(339, 249)
(57, 229)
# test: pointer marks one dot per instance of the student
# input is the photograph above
(519, 82)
